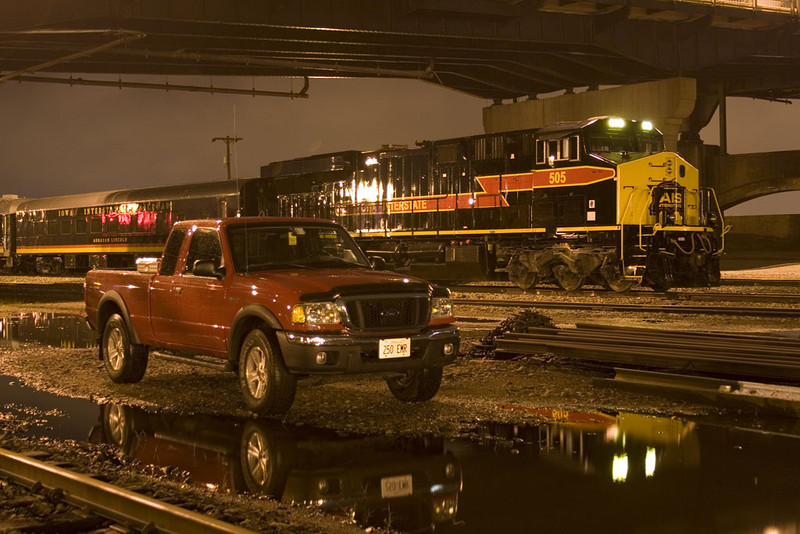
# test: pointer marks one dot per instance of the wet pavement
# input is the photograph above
(576, 472)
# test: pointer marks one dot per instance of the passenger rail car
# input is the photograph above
(108, 229)
(591, 201)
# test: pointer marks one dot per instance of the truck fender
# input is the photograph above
(114, 299)
(242, 322)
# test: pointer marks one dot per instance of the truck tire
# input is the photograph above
(267, 385)
(417, 385)
(125, 362)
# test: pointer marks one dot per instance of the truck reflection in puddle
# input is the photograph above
(409, 484)
(52, 329)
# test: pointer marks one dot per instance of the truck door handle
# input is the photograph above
(178, 290)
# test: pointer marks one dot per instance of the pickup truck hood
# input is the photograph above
(318, 284)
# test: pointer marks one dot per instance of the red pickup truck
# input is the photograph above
(275, 299)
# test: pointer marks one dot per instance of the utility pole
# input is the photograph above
(228, 140)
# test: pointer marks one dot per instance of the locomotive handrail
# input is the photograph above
(725, 229)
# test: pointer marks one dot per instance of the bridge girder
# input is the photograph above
(494, 49)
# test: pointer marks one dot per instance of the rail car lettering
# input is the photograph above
(120, 239)
(558, 177)
(411, 205)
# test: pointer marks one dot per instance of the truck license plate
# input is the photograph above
(399, 347)
(401, 486)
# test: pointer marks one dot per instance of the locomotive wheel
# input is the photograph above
(619, 285)
(566, 279)
(714, 275)
(612, 279)
(520, 275)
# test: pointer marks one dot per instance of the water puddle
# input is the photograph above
(47, 328)
(579, 472)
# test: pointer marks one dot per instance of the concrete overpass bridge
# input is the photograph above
(538, 61)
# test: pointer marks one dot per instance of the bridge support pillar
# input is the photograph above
(668, 103)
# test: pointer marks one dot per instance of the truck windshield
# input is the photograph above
(263, 247)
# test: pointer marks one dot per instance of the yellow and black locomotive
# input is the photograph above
(595, 201)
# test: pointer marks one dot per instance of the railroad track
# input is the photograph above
(754, 356)
(99, 504)
(753, 311)
(712, 296)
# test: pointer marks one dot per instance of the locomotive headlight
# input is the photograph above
(316, 313)
(441, 308)
(647, 126)
(616, 122)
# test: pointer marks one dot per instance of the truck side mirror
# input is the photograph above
(378, 263)
(207, 268)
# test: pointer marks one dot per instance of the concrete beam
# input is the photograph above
(741, 177)
(668, 103)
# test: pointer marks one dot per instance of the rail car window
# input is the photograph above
(52, 227)
(112, 224)
(172, 250)
(66, 227)
(80, 225)
(96, 225)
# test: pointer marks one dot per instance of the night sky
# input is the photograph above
(61, 140)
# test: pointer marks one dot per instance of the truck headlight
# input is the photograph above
(441, 308)
(316, 313)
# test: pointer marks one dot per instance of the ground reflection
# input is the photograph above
(51, 329)
(410, 484)
(573, 472)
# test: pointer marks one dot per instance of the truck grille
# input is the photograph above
(386, 312)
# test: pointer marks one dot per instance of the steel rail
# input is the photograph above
(753, 356)
(118, 504)
(638, 308)
(793, 298)
(755, 344)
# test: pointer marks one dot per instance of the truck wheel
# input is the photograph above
(416, 385)
(267, 385)
(125, 362)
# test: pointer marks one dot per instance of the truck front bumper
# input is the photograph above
(316, 354)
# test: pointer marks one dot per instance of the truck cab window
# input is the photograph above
(171, 252)
(204, 246)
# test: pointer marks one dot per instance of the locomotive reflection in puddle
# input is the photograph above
(617, 447)
(409, 484)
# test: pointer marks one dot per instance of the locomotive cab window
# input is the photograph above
(553, 150)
